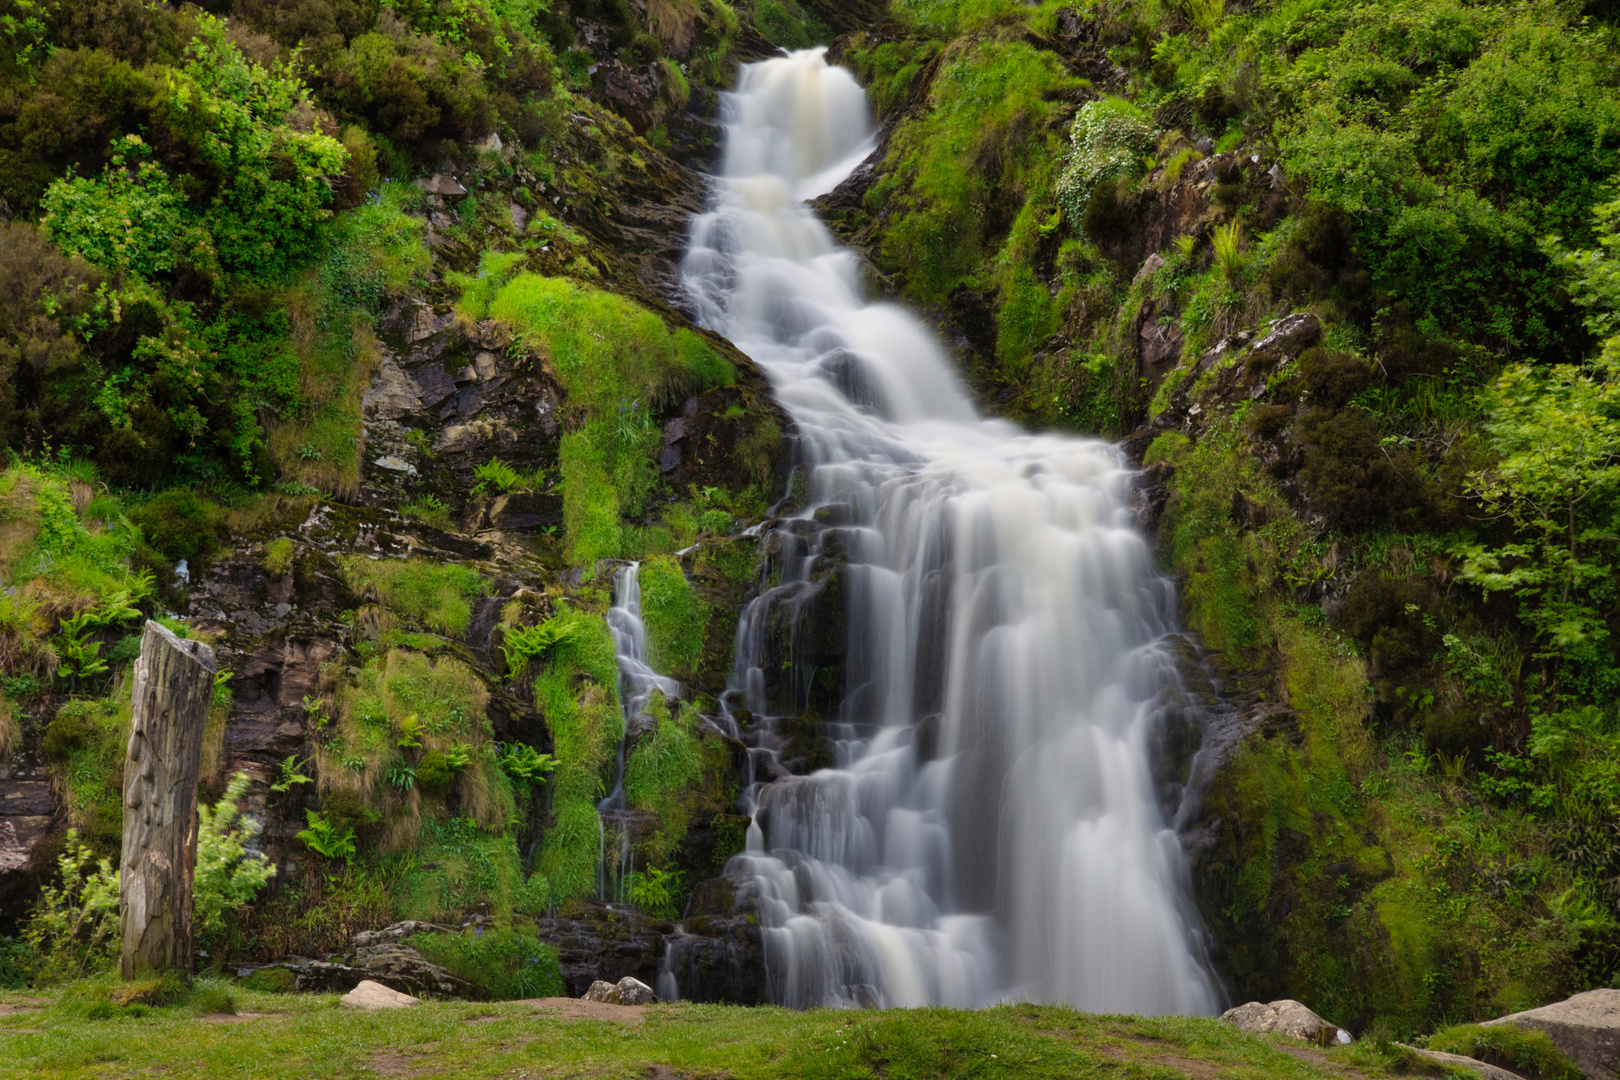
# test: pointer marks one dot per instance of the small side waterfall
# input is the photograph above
(991, 826)
(637, 684)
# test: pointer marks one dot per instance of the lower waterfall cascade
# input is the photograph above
(991, 827)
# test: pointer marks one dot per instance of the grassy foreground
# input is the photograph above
(305, 1036)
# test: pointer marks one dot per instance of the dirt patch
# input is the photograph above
(391, 1063)
(232, 1018)
(1320, 1059)
(580, 1009)
(12, 1010)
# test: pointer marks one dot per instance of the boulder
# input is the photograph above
(1586, 1027)
(1488, 1071)
(627, 991)
(374, 995)
(1286, 1017)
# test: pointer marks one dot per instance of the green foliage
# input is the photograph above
(660, 773)
(677, 620)
(434, 594)
(16, 963)
(522, 644)
(290, 775)
(1108, 140)
(524, 763)
(578, 694)
(278, 556)
(499, 475)
(230, 872)
(129, 218)
(1525, 1051)
(180, 524)
(984, 146)
(618, 361)
(654, 892)
(503, 962)
(327, 839)
(74, 929)
(1556, 433)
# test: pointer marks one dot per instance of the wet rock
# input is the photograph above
(442, 184)
(390, 964)
(397, 932)
(1150, 266)
(1488, 1071)
(1286, 1017)
(598, 942)
(1288, 337)
(1586, 1027)
(373, 995)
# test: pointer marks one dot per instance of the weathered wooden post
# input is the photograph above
(174, 682)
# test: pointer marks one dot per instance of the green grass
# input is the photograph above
(620, 363)
(676, 619)
(435, 594)
(578, 692)
(308, 1036)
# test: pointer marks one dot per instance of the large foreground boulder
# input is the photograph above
(1286, 1017)
(1586, 1027)
(627, 991)
(374, 995)
(1484, 1069)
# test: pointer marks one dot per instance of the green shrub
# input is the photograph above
(436, 594)
(507, 964)
(677, 621)
(74, 929)
(229, 871)
(1525, 1051)
(16, 963)
(271, 981)
(1108, 140)
(180, 524)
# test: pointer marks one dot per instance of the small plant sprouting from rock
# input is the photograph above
(290, 776)
(498, 475)
(525, 643)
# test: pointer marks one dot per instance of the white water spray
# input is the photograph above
(993, 828)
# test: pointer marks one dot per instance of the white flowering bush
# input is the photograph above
(1110, 138)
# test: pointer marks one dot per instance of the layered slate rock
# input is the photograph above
(1586, 1027)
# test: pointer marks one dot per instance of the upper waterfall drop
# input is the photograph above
(993, 827)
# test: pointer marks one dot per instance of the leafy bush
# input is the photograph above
(1108, 141)
(1525, 1051)
(328, 839)
(505, 963)
(229, 871)
(74, 929)
(437, 595)
(180, 524)
(16, 963)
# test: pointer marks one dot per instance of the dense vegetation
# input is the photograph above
(1397, 534)
(303, 1035)
(209, 214)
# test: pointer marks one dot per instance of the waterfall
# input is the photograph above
(991, 826)
(637, 684)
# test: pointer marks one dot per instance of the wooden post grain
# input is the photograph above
(174, 683)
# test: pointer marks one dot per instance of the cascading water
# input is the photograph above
(637, 684)
(992, 827)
